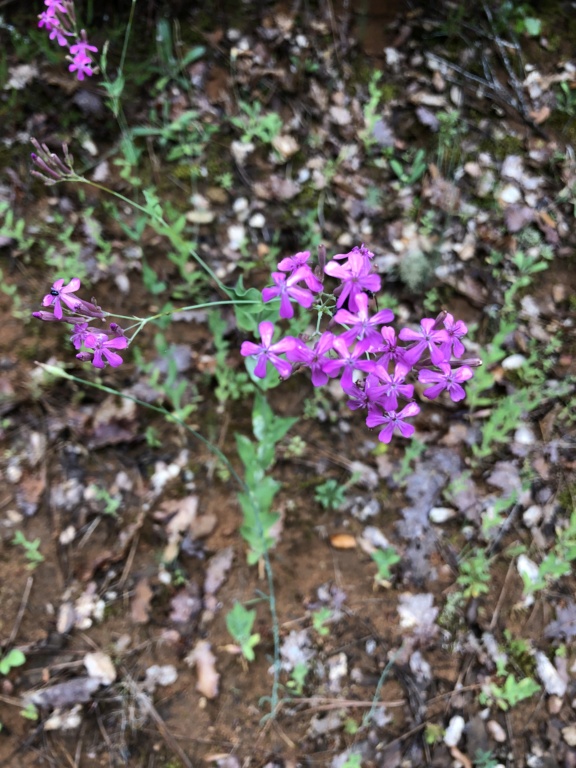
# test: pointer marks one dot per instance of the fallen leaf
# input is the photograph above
(217, 569)
(163, 675)
(343, 541)
(76, 691)
(205, 662)
(140, 606)
(100, 667)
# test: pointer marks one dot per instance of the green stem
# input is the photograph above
(127, 37)
(163, 229)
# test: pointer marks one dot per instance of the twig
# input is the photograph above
(147, 706)
(23, 604)
(501, 598)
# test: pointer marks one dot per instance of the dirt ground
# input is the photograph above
(386, 677)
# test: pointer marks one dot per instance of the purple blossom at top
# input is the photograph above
(55, 6)
(291, 263)
(427, 338)
(394, 422)
(52, 25)
(299, 262)
(364, 326)
(356, 278)
(448, 378)
(268, 352)
(62, 293)
(286, 288)
(102, 348)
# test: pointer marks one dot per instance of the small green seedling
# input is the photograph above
(320, 618)
(298, 678)
(239, 622)
(353, 761)
(31, 549)
(13, 658)
(111, 503)
(30, 712)
(475, 575)
(385, 559)
(411, 169)
(330, 494)
(512, 692)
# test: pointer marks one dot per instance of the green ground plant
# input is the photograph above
(240, 623)
(258, 457)
(31, 549)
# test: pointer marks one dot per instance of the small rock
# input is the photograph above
(236, 236)
(509, 195)
(532, 515)
(513, 362)
(524, 435)
(200, 217)
(496, 731)
(569, 735)
(340, 115)
(441, 514)
(240, 150)
(286, 146)
(454, 731)
(257, 221)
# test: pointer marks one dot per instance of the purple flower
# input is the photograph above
(363, 326)
(55, 6)
(389, 350)
(291, 263)
(313, 358)
(394, 422)
(299, 261)
(427, 338)
(455, 330)
(52, 25)
(269, 352)
(356, 278)
(81, 47)
(62, 293)
(286, 288)
(102, 347)
(393, 386)
(448, 379)
(79, 335)
(81, 65)
(347, 360)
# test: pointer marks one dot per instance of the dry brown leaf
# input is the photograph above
(205, 662)
(343, 541)
(140, 607)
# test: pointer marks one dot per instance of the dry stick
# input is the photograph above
(145, 702)
(514, 82)
(501, 598)
(23, 604)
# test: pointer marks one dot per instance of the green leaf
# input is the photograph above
(533, 26)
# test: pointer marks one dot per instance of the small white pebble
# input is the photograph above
(513, 362)
(257, 221)
(496, 731)
(454, 731)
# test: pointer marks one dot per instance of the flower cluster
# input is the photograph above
(96, 344)
(59, 20)
(372, 362)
